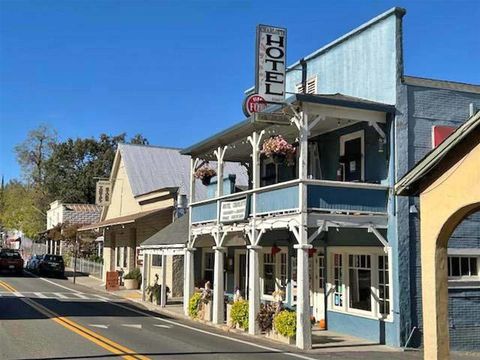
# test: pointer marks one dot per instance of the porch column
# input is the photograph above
(188, 285)
(163, 300)
(304, 330)
(218, 286)
(60, 247)
(253, 288)
(144, 276)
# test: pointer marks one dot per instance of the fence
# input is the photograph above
(88, 267)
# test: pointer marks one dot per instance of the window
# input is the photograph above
(321, 272)
(462, 267)
(208, 266)
(125, 255)
(360, 273)
(268, 274)
(311, 86)
(337, 280)
(383, 286)
(359, 282)
(157, 260)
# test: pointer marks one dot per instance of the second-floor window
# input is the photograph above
(463, 267)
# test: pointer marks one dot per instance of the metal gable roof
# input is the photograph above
(151, 168)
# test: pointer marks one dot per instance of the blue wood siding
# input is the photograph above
(204, 212)
(278, 200)
(347, 199)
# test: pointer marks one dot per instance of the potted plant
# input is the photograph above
(285, 327)
(205, 173)
(239, 314)
(133, 279)
(155, 293)
(279, 149)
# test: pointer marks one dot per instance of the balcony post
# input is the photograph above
(220, 153)
(253, 288)
(188, 285)
(218, 286)
(145, 275)
(304, 330)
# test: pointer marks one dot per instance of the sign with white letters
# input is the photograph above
(235, 210)
(103, 193)
(271, 56)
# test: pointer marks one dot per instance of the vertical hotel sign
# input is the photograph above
(103, 193)
(270, 64)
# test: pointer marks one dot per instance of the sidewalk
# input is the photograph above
(328, 343)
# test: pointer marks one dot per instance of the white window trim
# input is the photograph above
(374, 252)
(266, 250)
(351, 136)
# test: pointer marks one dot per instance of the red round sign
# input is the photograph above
(253, 103)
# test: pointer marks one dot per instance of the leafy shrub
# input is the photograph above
(194, 305)
(285, 323)
(239, 314)
(265, 317)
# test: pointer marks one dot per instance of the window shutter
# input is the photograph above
(311, 86)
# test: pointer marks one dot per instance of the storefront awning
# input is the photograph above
(122, 220)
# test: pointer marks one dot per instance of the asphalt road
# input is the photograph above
(54, 319)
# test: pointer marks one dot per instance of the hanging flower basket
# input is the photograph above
(205, 174)
(279, 149)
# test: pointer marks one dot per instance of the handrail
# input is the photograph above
(347, 184)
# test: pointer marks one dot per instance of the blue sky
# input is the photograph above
(176, 71)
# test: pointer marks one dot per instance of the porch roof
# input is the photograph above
(175, 233)
(245, 127)
(122, 220)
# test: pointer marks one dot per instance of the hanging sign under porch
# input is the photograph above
(235, 210)
(270, 63)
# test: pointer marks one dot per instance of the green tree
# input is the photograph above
(33, 152)
(20, 209)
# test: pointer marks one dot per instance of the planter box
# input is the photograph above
(272, 334)
(131, 284)
(207, 311)
(229, 317)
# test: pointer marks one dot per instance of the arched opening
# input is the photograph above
(459, 241)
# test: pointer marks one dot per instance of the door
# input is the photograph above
(316, 265)
(241, 272)
(351, 156)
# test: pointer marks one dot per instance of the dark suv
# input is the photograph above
(51, 265)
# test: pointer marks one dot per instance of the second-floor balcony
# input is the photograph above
(341, 167)
(322, 196)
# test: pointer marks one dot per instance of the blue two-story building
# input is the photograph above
(322, 229)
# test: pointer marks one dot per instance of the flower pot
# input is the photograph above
(278, 158)
(206, 180)
(322, 324)
(272, 334)
(130, 284)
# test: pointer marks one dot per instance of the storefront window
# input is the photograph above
(118, 255)
(124, 253)
(360, 283)
(383, 286)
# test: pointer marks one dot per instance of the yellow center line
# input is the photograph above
(73, 326)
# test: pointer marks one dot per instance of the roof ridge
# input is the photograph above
(150, 146)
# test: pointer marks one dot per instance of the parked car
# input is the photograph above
(33, 262)
(11, 261)
(51, 265)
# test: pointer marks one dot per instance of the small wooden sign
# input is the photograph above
(112, 282)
